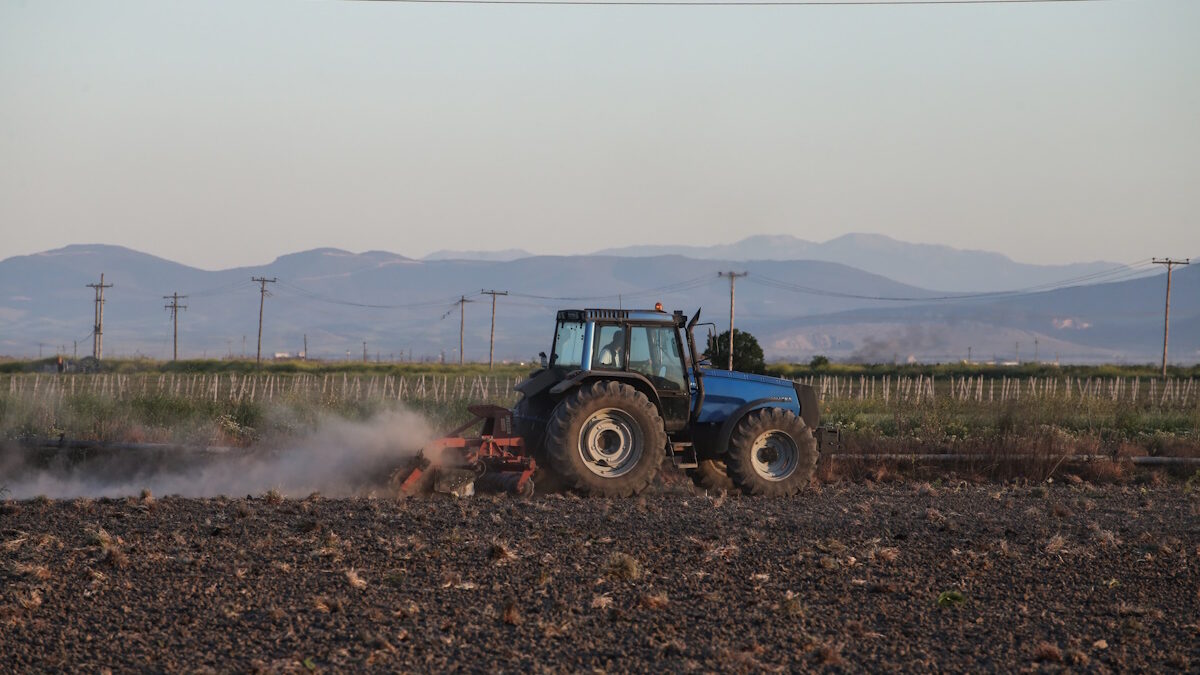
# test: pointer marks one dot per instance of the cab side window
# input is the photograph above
(608, 351)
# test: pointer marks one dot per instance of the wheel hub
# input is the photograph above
(610, 442)
(774, 455)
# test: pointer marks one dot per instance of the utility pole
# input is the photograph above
(1167, 312)
(968, 354)
(175, 307)
(1035, 350)
(262, 281)
(306, 346)
(98, 329)
(492, 339)
(364, 351)
(732, 279)
(462, 323)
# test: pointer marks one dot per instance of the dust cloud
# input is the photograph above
(907, 345)
(338, 458)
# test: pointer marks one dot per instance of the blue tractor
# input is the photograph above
(624, 389)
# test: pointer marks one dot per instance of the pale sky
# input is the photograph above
(227, 133)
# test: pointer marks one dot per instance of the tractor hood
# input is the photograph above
(727, 393)
(712, 374)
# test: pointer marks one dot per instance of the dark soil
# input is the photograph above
(853, 577)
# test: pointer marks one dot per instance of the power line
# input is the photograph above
(1167, 310)
(175, 307)
(98, 330)
(670, 288)
(732, 278)
(351, 303)
(262, 298)
(1108, 276)
(492, 339)
(462, 323)
(748, 3)
(223, 289)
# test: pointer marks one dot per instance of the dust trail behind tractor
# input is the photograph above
(461, 463)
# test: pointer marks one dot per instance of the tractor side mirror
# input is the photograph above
(542, 359)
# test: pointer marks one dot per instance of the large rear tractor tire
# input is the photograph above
(710, 474)
(531, 416)
(606, 439)
(771, 452)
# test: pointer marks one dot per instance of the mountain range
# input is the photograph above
(931, 266)
(334, 301)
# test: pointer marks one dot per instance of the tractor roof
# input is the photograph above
(654, 315)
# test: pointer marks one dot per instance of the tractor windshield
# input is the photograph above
(568, 345)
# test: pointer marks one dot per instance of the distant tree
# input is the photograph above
(818, 361)
(747, 354)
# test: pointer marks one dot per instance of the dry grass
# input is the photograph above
(655, 600)
(830, 654)
(355, 580)
(31, 601)
(1077, 657)
(1046, 651)
(1060, 510)
(791, 605)
(110, 548)
(38, 572)
(15, 543)
(500, 552)
(512, 614)
(1105, 538)
(1056, 544)
(623, 566)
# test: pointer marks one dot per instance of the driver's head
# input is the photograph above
(618, 338)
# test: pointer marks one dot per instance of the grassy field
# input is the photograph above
(1102, 411)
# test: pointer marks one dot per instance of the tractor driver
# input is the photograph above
(612, 353)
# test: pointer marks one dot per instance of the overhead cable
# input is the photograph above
(732, 3)
(1121, 273)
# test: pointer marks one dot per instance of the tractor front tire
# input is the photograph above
(606, 439)
(772, 452)
(711, 474)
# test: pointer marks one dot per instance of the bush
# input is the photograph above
(747, 354)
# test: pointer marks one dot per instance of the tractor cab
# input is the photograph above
(642, 346)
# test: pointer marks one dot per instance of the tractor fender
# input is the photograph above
(635, 380)
(810, 407)
(738, 415)
(537, 382)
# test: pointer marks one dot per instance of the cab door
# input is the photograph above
(655, 352)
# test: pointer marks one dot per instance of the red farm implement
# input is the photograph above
(461, 463)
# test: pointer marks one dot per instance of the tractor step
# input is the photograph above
(683, 455)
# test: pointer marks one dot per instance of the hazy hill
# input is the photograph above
(495, 256)
(396, 304)
(923, 265)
